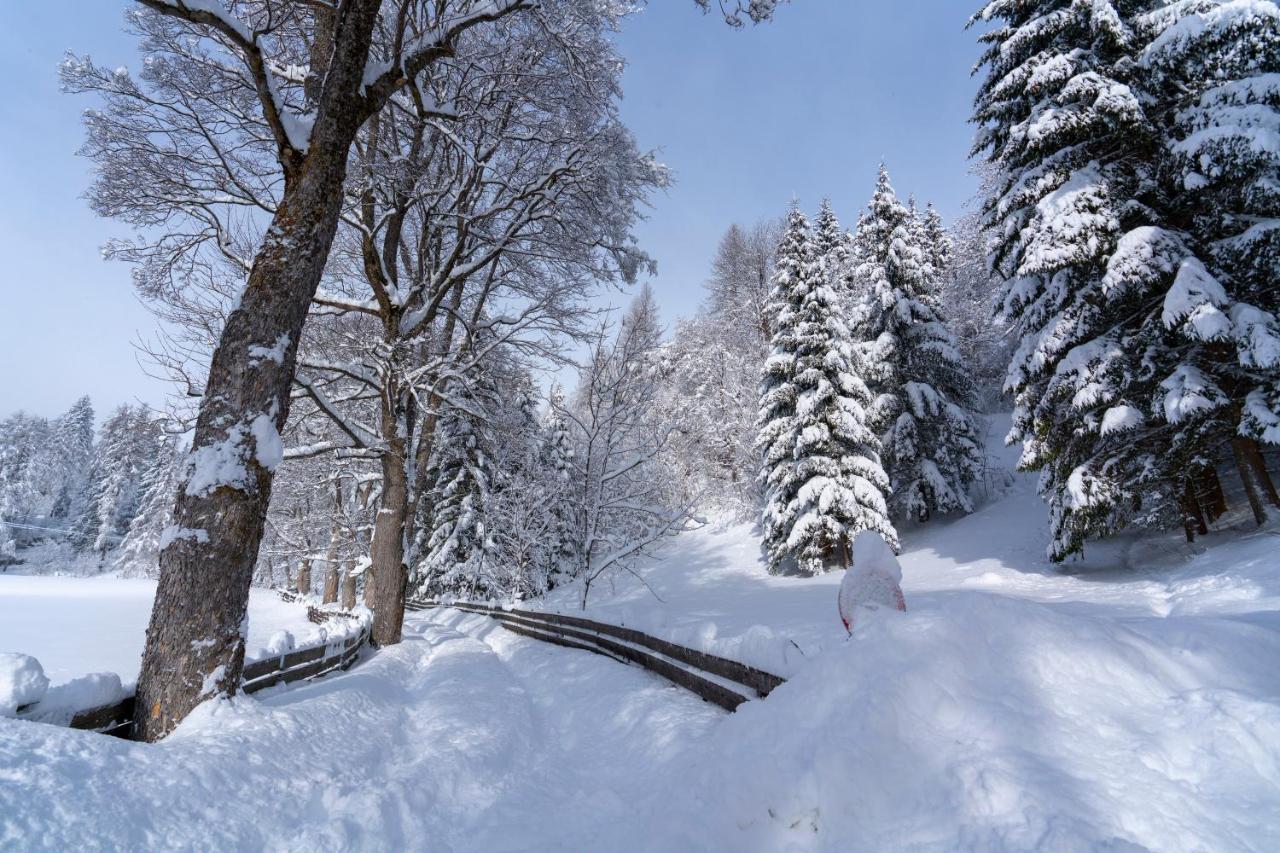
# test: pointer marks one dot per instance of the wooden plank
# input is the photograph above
(258, 668)
(262, 683)
(758, 680)
(518, 628)
(301, 656)
(708, 690)
(105, 717)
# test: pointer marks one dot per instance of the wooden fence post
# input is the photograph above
(304, 576)
(349, 586)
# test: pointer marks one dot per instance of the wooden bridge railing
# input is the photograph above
(286, 668)
(714, 678)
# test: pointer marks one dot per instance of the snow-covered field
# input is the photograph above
(1129, 703)
(75, 626)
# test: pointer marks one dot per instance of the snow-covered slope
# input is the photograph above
(709, 588)
(1129, 703)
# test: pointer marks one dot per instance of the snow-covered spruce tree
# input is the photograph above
(556, 460)
(62, 464)
(923, 396)
(1106, 406)
(831, 245)
(821, 463)
(21, 437)
(126, 448)
(1213, 73)
(454, 539)
(152, 525)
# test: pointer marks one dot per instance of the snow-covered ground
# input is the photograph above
(77, 625)
(1131, 702)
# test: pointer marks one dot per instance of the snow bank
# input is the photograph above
(22, 681)
(64, 701)
(998, 724)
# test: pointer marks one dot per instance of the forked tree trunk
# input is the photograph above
(195, 642)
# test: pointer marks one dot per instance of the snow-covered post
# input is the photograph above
(873, 580)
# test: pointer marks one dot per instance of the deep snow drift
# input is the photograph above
(1131, 702)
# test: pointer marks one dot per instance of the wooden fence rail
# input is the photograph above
(714, 678)
(309, 662)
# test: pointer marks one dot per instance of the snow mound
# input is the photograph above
(64, 701)
(873, 581)
(1000, 724)
(22, 681)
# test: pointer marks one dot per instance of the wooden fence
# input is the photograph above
(310, 662)
(713, 678)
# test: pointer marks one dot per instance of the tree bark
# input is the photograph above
(1213, 500)
(335, 540)
(195, 642)
(1240, 451)
(304, 577)
(330, 582)
(1258, 466)
(385, 587)
(349, 587)
(1193, 519)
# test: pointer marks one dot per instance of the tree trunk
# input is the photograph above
(195, 644)
(1258, 465)
(331, 556)
(349, 587)
(1193, 519)
(385, 587)
(304, 577)
(330, 582)
(1213, 500)
(1240, 450)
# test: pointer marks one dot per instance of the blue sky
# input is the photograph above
(804, 107)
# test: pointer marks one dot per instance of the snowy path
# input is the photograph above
(605, 734)
(447, 742)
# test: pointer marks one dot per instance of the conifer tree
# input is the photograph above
(1212, 70)
(63, 462)
(821, 463)
(454, 535)
(145, 539)
(1107, 406)
(556, 456)
(125, 450)
(923, 397)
